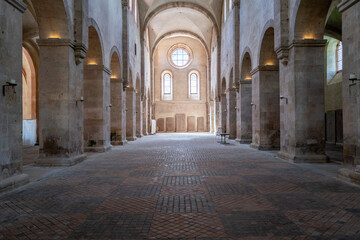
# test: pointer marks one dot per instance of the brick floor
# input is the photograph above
(182, 186)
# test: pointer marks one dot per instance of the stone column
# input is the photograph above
(266, 108)
(130, 114)
(145, 114)
(116, 112)
(350, 10)
(244, 112)
(302, 125)
(211, 117)
(138, 113)
(60, 111)
(97, 108)
(223, 111)
(11, 104)
(231, 112)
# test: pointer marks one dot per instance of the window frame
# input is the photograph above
(338, 45)
(167, 96)
(194, 96)
(183, 47)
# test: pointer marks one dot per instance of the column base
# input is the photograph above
(243, 141)
(14, 181)
(264, 147)
(350, 175)
(303, 158)
(131, 139)
(97, 149)
(59, 162)
(139, 135)
(118, 143)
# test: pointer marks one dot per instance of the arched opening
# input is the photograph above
(302, 126)
(97, 100)
(334, 85)
(266, 97)
(117, 134)
(244, 106)
(29, 99)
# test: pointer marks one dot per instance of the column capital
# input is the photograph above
(346, 4)
(116, 80)
(56, 42)
(265, 68)
(80, 52)
(308, 43)
(18, 4)
(125, 3)
(236, 3)
(283, 54)
(98, 67)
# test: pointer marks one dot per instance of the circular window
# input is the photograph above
(180, 56)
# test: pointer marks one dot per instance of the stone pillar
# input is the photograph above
(302, 125)
(223, 111)
(60, 111)
(117, 112)
(231, 112)
(266, 108)
(139, 110)
(97, 108)
(350, 10)
(244, 112)
(11, 104)
(217, 113)
(145, 114)
(130, 114)
(211, 117)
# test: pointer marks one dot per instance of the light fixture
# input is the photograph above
(110, 106)
(282, 97)
(353, 77)
(12, 84)
(80, 100)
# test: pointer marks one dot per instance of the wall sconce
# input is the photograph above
(126, 109)
(80, 100)
(12, 84)
(353, 77)
(107, 107)
(282, 97)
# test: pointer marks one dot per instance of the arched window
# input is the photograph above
(167, 86)
(136, 11)
(130, 5)
(339, 57)
(194, 85)
(225, 10)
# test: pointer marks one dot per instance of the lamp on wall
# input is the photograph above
(80, 100)
(353, 77)
(110, 106)
(282, 97)
(12, 84)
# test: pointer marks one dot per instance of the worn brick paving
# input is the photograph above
(182, 186)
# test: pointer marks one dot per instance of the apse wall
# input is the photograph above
(166, 111)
